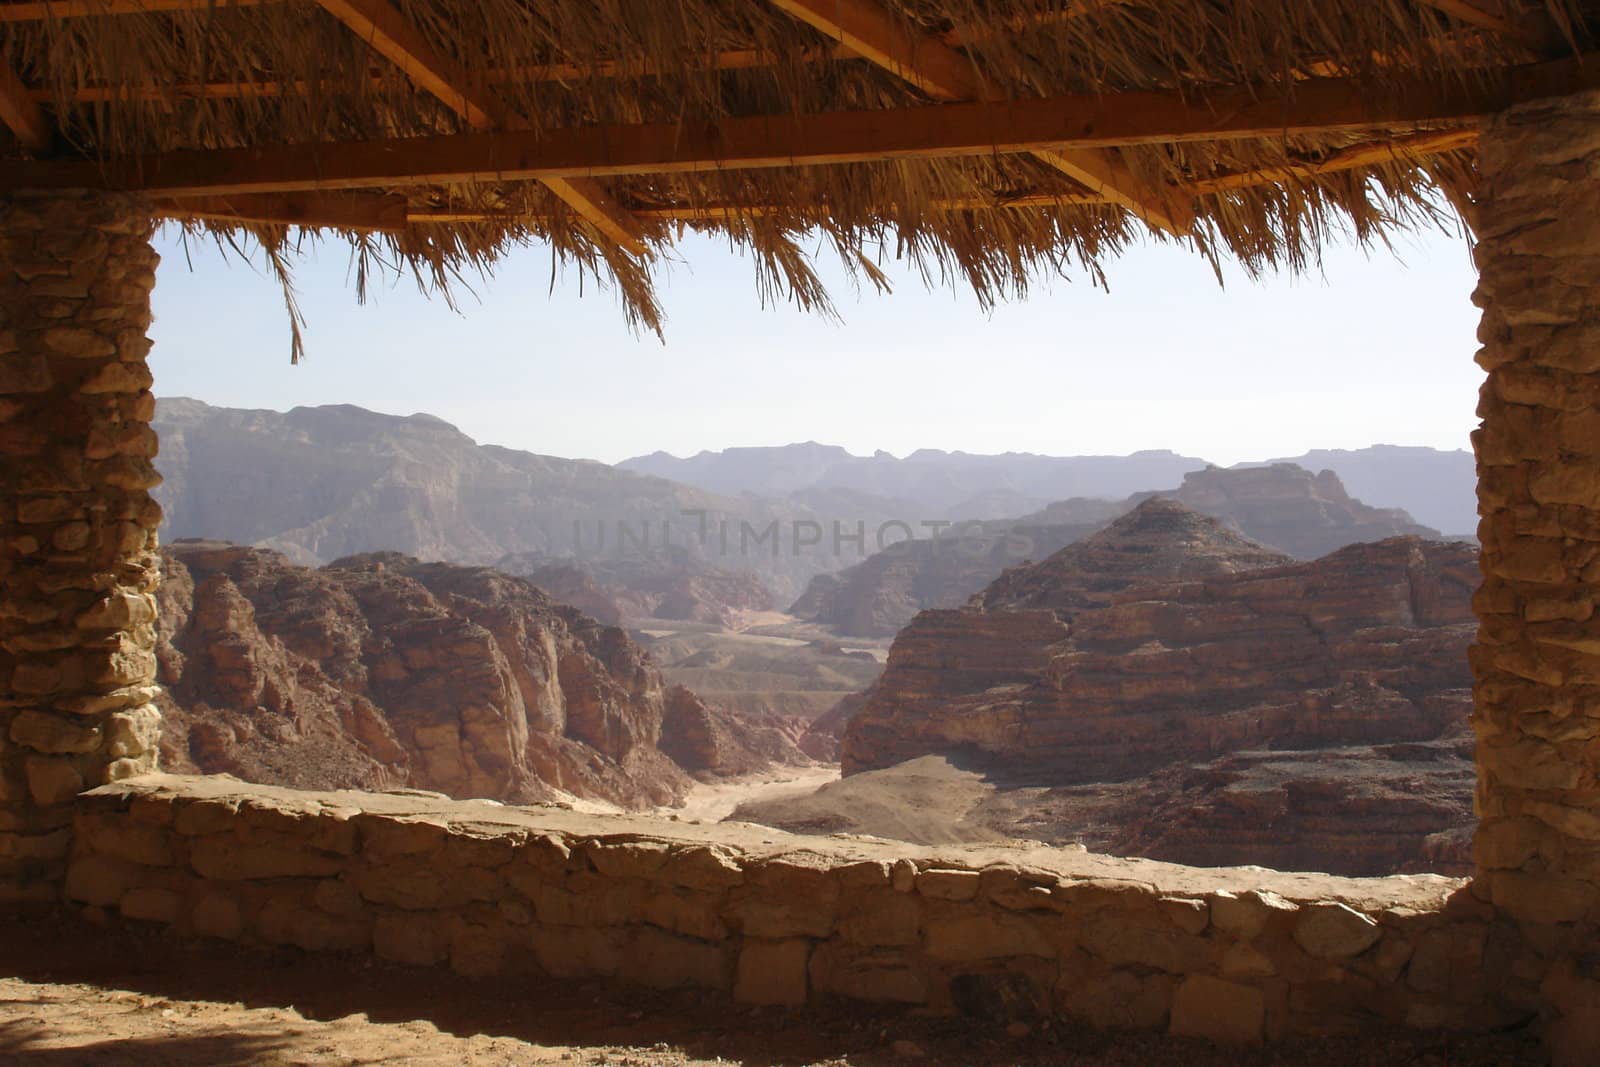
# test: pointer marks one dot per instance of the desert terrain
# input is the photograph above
(1253, 665)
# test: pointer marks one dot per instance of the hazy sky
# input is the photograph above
(1374, 350)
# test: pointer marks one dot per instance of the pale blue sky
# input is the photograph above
(1374, 350)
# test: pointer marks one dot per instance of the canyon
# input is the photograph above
(1254, 667)
(1167, 687)
(381, 672)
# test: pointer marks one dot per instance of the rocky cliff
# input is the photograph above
(379, 671)
(1281, 506)
(1436, 487)
(1167, 640)
(325, 482)
(1289, 508)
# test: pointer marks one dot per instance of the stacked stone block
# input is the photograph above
(485, 890)
(1537, 658)
(77, 525)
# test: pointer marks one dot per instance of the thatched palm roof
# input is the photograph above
(985, 140)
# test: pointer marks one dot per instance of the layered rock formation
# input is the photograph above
(1291, 509)
(1436, 487)
(379, 671)
(1281, 506)
(1166, 640)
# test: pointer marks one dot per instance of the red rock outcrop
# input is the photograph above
(1166, 640)
(379, 671)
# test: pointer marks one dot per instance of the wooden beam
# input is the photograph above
(336, 210)
(589, 199)
(929, 132)
(393, 36)
(1396, 150)
(21, 113)
(366, 211)
(734, 59)
(874, 33)
(45, 10)
(722, 212)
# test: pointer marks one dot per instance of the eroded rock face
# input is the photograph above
(1284, 507)
(1289, 508)
(378, 671)
(1166, 641)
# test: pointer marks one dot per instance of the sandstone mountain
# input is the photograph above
(1290, 509)
(379, 672)
(1282, 506)
(1161, 657)
(1158, 541)
(320, 483)
(938, 484)
(1437, 487)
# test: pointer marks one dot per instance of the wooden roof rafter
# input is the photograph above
(388, 211)
(874, 33)
(46, 10)
(393, 37)
(1320, 106)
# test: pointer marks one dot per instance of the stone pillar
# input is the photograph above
(78, 568)
(1537, 659)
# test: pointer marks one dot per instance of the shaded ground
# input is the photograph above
(72, 993)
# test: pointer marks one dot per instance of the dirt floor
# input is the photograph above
(72, 993)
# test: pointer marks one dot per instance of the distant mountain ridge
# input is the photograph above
(320, 483)
(1282, 506)
(943, 485)
(1439, 488)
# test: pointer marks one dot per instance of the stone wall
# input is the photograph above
(1537, 659)
(1236, 954)
(77, 529)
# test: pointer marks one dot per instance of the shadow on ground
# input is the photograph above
(203, 1003)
